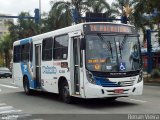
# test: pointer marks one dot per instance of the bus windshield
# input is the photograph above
(112, 53)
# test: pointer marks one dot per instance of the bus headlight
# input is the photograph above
(90, 77)
(140, 77)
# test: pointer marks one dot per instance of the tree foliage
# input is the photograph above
(59, 16)
(5, 49)
(24, 28)
(61, 13)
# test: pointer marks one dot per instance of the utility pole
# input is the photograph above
(40, 22)
(40, 11)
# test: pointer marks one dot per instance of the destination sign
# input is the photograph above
(108, 28)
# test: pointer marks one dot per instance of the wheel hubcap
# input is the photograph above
(26, 88)
(66, 92)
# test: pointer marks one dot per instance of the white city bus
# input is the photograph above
(87, 60)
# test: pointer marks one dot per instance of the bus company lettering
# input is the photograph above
(49, 70)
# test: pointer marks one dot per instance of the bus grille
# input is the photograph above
(127, 83)
(106, 83)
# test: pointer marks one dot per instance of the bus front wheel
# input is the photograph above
(111, 99)
(64, 92)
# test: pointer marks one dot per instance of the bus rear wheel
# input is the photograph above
(64, 92)
(27, 90)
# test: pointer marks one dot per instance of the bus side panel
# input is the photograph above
(50, 73)
(48, 80)
(17, 74)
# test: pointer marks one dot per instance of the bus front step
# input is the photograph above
(75, 95)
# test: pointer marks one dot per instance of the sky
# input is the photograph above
(14, 7)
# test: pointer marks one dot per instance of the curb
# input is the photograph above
(152, 84)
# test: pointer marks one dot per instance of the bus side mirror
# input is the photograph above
(82, 46)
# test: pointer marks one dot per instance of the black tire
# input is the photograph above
(27, 90)
(111, 99)
(65, 93)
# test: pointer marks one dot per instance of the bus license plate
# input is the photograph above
(119, 91)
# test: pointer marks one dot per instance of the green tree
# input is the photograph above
(119, 4)
(141, 8)
(97, 6)
(24, 28)
(27, 27)
(13, 29)
(136, 17)
(101, 6)
(5, 49)
(59, 15)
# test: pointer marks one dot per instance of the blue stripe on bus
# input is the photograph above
(26, 40)
(25, 66)
(102, 81)
(25, 71)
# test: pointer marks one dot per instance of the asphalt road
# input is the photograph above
(14, 104)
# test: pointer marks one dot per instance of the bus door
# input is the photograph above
(38, 65)
(76, 64)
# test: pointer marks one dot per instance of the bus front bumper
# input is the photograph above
(96, 91)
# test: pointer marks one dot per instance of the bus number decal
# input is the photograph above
(61, 71)
(25, 68)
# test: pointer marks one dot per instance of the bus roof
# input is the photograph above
(65, 30)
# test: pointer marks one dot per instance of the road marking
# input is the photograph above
(6, 107)
(135, 100)
(8, 86)
(2, 104)
(138, 100)
(12, 83)
(0, 90)
(10, 111)
(17, 116)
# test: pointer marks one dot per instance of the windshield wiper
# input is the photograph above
(123, 41)
(111, 49)
(120, 49)
(108, 47)
(121, 45)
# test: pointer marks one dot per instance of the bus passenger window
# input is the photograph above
(47, 49)
(25, 52)
(17, 54)
(60, 50)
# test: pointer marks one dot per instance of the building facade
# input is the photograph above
(4, 24)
